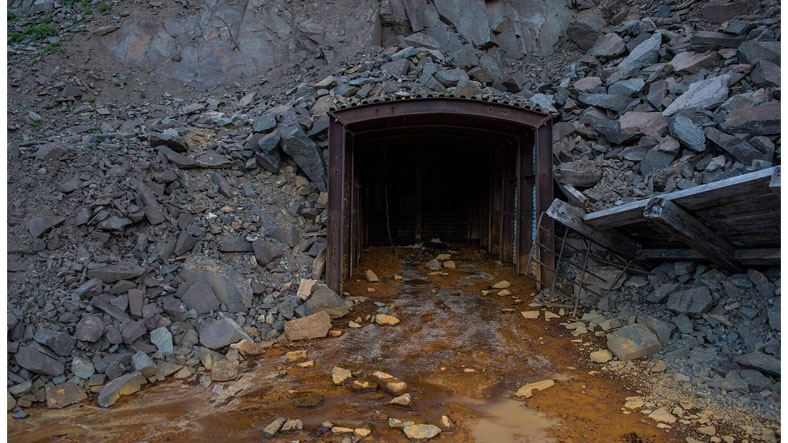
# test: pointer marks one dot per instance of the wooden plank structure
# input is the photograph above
(731, 222)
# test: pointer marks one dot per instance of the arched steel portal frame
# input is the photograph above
(523, 169)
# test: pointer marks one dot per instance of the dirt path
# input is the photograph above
(462, 355)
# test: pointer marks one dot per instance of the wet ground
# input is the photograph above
(461, 353)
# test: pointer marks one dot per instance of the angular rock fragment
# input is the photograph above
(36, 359)
(123, 385)
(633, 341)
(703, 94)
(40, 225)
(389, 383)
(60, 396)
(201, 298)
(229, 286)
(221, 333)
(691, 301)
(325, 299)
(116, 272)
(309, 327)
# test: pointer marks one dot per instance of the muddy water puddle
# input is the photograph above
(460, 354)
(507, 420)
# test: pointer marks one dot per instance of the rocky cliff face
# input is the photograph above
(220, 41)
(224, 40)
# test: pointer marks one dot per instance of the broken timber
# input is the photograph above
(731, 222)
(691, 232)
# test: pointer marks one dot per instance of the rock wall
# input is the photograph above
(224, 40)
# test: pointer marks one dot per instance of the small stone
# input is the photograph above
(433, 265)
(361, 432)
(310, 400)
(421, 431)
(371, 276)
(527, 390)
(403, 400)
(340, 375)
(601, 356)
(305, 288)
(530, 314)
(248, 348)
(661, 415)
(60, 396)
(223, 370)
(708, 430)
(162, 338)
(389, 383)
(659, 366)
(503, 284)
(295, 356)
(383, 319)
(634, 403)
(292, 425)
(273, 428)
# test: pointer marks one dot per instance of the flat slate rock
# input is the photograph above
(118, 271)
(759, 361)
(221, 333)
(691, 301)
(39, 225)
(35, 358)
(229, 286)
(124, 385)
(633, 341)
(60, 396)
(309, 327)
(201, 298)
(325, 299)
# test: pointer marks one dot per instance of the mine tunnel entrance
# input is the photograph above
(460, 170)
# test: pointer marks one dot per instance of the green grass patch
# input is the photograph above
(103, 7)
(39, 32)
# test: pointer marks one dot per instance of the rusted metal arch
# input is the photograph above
(528, 167)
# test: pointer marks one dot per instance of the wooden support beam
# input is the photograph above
(749, 257)
(711, 194)
(774, 183)
(677, 222)
(572, 217)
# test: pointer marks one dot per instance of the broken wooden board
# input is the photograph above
(698, 197)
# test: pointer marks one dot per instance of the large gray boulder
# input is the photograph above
(306, 154)
(691, 301)
(221, 333)
(633, 341)
(35, 358)
(229, 286)
(325, 299)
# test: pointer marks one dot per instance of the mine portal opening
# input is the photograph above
(417, 192)
(461, 170)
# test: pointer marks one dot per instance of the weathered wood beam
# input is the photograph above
(691, 199)
(774, 183)
(573, 195)
(677, 222)
(572, 217)
(749, 257)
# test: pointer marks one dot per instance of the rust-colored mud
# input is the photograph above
(460, 354)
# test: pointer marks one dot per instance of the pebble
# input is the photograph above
(383, 319)
(340, 375)
(601, 356)
(527, 390)
(421, 431)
